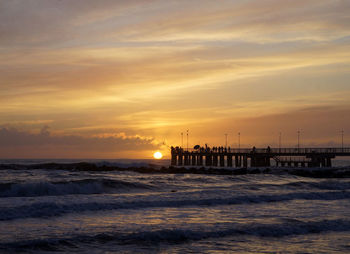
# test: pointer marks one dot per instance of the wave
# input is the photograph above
(103, 185)
(301, 185)
(50, 209)
(323, 185)
(84, 186)
(82, 165)
(182, 235)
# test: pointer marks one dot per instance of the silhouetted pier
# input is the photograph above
(255, 157)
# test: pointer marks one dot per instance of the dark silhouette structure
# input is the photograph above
(255, 157)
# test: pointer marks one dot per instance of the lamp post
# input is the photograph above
(226, 140)
(239, 140)
(182, 139)
(280, 141)
(298, 139)
(187, 140)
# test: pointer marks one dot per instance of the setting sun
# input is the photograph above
(157, 155)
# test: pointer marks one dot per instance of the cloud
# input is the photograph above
(51, 23)
(43, 23)
(263, 21)
(18, 144)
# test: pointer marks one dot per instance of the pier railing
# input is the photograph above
(280, 151)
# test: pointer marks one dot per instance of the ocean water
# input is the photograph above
(44, 211)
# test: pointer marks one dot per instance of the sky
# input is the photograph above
(123, 79)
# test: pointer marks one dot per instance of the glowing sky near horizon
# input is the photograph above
(123, 79)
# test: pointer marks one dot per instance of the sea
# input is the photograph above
(122, 211)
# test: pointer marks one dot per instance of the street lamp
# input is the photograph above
(187, 140)
(182, 140)
(280, 141)
(239, 140)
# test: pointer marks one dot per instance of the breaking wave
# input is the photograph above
(84, 186)
(182, 235)
(50, 209)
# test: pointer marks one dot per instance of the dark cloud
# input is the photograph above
(11, 137)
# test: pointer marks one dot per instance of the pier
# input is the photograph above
(255, 157)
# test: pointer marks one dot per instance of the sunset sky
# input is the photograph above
(122, 79)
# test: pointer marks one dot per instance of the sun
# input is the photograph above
(158, 155)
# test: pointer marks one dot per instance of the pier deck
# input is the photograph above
(256, 157)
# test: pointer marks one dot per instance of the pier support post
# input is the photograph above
(238, 161)
(229, 160)
(222, 160)
(215, 160)
(259, 161)
(256, 161)
(253, 161)
(245, 161)
(187, 161)
(208, 160)
(180, 161)
(194, 157)
(173, 159)
(200, 160)
(315, 161)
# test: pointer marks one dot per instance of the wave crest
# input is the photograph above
(50, 209)
(182, 235)
(84, 186)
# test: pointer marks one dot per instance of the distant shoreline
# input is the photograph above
(335, 172)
